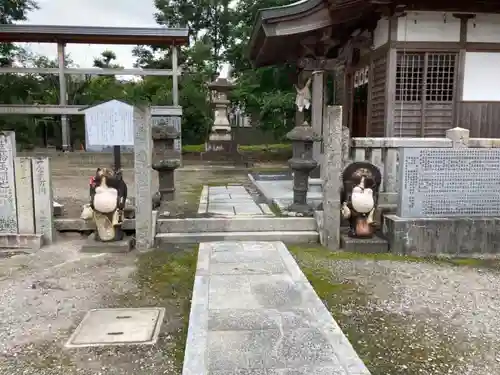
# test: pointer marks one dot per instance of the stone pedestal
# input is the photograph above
(302, 163)
(165, 160)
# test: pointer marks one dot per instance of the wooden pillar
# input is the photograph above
(318, 103)
(390, 85)
(460, 66)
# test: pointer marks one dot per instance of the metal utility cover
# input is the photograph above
(102, 327)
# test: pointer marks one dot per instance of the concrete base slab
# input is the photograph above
(93, 246)
(364, 245)
(118, 327)
(459, 237)
(29, 242)
(285, 236)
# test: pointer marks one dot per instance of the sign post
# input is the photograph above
(110, 124)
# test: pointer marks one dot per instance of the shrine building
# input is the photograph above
(400, 68)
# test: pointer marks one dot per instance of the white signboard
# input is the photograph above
(481, 78)
(110, 124)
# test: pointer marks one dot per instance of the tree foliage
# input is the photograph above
(219, 31)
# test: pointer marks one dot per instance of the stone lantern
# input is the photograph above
(220, 138)
(165, 159)
(302, 163)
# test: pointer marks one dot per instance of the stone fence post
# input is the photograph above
(143, 173)
(333, 158)
(459, 137)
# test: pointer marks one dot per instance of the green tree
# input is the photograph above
(105, 60)
(11, 11)
(267, 94)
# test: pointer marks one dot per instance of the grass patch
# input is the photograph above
(247, 148)
(275, 209)
(266, 148)
(389, 344)
(193, 148)
(439, 260)
(165, 278)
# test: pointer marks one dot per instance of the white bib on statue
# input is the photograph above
(105, 199)
(362, 200)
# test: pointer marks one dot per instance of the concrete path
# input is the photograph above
(230, 200)
(254, 312)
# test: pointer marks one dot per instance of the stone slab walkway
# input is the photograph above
(278, 189)
(253, 312)
(230, 200)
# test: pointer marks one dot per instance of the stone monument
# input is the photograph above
(8, 206)
(26, 205)
(449, 200)
(43, 199)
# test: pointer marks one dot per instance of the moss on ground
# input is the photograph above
(165, 278)
(389, 344)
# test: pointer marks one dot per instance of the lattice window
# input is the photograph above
(437, 70)
(409, 77)
(440, 80)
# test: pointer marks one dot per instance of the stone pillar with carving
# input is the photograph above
(165, 159)
(302, 163)
(220, 138)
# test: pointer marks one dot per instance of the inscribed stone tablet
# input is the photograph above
(174, 121)
(448, 182)
(8, 205)
(24, 195)
(42, 195)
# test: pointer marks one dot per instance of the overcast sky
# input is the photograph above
(132, 13)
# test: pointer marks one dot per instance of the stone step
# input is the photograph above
(236, 224)
(285, 236)
(375, 244)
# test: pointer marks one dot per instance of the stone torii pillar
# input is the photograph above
(63, 98)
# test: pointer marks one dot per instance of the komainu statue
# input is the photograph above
(108, 194)
(359, 197)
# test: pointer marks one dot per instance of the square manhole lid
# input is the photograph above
(102, 327)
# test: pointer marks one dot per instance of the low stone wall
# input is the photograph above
(460, 237)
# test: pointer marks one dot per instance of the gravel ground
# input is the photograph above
(71, 188)
(45, 295)
(412, 317)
